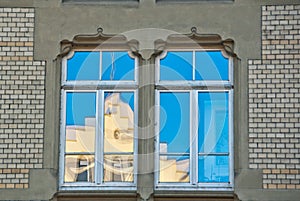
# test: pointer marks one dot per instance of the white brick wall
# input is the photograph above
(274, 99)
(21, 99)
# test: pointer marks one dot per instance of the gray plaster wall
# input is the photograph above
(239, 20)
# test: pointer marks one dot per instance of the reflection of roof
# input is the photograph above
(183, 165)
(114, 104)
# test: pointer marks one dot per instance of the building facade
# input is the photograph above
(149, 100)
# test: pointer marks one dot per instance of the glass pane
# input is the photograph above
(80, 121)
(79, 168)
(83, 66)
(118, 168)
(117, 66)
(213, 169)
(118, 122)
(174, 169)
(213, 122)
(211, 66)
(177, 66)
(174, 122)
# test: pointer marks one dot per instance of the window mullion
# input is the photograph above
(100, 65)
(193, 137)
(194, 65)
(99, 137)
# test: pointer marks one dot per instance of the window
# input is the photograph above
(190, 133)
(98, 119)
(194, 93)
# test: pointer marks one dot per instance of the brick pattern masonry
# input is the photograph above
(21, 99)
(274, 99)
(274, 95)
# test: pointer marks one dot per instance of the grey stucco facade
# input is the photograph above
(266, 97)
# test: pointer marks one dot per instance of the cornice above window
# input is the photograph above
(97, 41)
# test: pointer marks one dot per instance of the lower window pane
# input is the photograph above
(213, 169)
(79, 168)
(174, 169)
(118, 168)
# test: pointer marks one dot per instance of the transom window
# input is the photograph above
(194, 93)
(98, 119)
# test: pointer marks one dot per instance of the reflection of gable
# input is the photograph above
(118, 129)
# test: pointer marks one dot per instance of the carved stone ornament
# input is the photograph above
(98, 41)
(194, 40)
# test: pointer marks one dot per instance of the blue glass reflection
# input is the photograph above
(213, 122)
(83, 66)
(117, 66)
(211, 66)
(177, 66)
(79, 107)
(175, 121)
(213, 169)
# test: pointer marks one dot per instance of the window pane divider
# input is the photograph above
(191, 85)
(100, 136)
(194, 137)
(118, 153)
(99, 85)
(174, 154)
(213, 154)
(98, 140)
(79, 153)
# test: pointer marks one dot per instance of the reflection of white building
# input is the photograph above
(172, 170)
(118, 148)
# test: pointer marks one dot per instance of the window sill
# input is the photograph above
(189, 189)
(192, 1)
(83, 195)
(127, 189)
(199, 196)
(102, 2)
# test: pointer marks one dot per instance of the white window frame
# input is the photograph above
(99, 87)
(194, 87)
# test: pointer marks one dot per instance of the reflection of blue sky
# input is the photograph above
(123, 67)
(177, 66)
(126, 97)
(211, 66)
(79, 106)
(86, 66)
(83, 66)
(176, 118)
(213, 169)
(213, 122)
